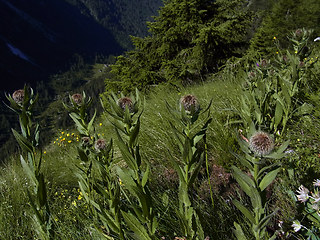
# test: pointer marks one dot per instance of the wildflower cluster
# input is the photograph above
(311, 201)
(66, 138)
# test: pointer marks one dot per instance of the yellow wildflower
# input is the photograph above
(100, 124)
(74, 203)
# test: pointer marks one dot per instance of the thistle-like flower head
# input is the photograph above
(303, 194)
(264, 63)
(298, 32)
(100, 144)
(190, 103)
(261, 143)
(85, 141)
(125, 101)
(77, 98)
(18, 96)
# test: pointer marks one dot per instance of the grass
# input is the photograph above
(72, 217)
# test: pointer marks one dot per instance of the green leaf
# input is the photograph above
(263, 222)
(245, 182)
(238, 232)
(255, 198)
(266, 181)
(245, 211)
(28, 170)
(278, 114)
(145, 176)
(25, 145)
(108, 220)
(42, 192)
(165, 199)
(91, 121)
(126, 153)
(83, 156)
(134, 133)
(139, 231)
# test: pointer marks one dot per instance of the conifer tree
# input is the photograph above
(285, 17)
(188, 39)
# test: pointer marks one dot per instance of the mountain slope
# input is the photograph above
(39, 38)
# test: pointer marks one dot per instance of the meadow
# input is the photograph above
(236, 162)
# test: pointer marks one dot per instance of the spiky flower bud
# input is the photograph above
(190, 103)
(77, 98)
(264, 63)
(100, 144)
(125, 101)
(252, 74)
(298, 32)
(18, 96)
(85, 141)
(261, 143)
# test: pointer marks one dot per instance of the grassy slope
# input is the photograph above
(59, 162)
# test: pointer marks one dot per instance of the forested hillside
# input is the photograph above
(39, 38)
(122, 17)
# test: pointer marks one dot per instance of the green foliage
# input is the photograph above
(274, 91)
(141, 217)
(191, 141)
(310, 212)
(188, 39)
(283, 17)
(120, 16)
(263, 174)
(22, 102)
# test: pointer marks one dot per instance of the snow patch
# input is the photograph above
(19, 53)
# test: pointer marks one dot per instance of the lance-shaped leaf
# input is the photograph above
(245, 182)
(145, 176)
(264, 221)
(25, 145)
(140, 233)
(238, 232)
(92, 120)
(280, 152)
(80, 127)
(134, 133)
(245, 211)
(278, 114)
(42, 192)
(126, 153)
(109, 220)
(28, 170)
(83, 156)
(267, 179)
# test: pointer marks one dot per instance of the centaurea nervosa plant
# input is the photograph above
(190, 136)
(141, 217)
(258, 150)
(22, 102)
(96, 177)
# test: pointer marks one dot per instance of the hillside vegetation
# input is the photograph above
(198, 135)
